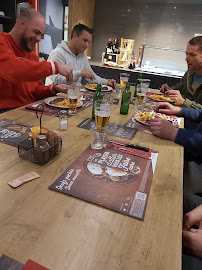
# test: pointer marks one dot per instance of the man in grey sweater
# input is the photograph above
(73, 54)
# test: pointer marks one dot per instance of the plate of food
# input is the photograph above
(159, 97)
(60, 102)
(145, 118)
(93, 87)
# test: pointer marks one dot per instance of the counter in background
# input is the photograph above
(157, 79)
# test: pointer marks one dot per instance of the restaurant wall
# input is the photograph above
(52, 10)
(81, 11)
(167, 23)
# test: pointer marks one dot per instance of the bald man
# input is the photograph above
(21, 72)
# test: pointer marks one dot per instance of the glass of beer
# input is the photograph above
(124, 77)
(142, 91)
(102, 114)
(73, 95)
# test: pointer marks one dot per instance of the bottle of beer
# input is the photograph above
(125, 100)
(137, 85)
(97, 96)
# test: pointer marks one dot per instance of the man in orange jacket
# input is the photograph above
(20, 70)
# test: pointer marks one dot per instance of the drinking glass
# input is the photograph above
(73, 95)
(97, 139)
(145, 83)
(102, 114)
(124, 77)
(142, 90)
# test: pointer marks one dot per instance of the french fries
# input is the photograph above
(160, 97)
(144, 117)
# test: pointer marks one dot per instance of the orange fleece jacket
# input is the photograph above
(20, 75)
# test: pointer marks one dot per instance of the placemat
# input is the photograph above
(120, 131)
(110, 178)
(12, 133)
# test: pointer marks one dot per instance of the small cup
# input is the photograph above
(97, 138)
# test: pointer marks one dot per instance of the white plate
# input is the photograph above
(135, 117)
(109, 88)
(49, 100)
(172, 118)
(158, 100)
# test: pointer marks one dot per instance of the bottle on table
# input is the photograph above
(97, 96)
(125, 101)
(138, 84)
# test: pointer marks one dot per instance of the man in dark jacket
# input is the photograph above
(188, 92)
(190, 139)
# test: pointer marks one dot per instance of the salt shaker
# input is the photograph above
(63, 119)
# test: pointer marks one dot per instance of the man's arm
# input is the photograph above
(181, 101)
(192, 114)
(192, 238)
(15, 69)
(98, 79)
(192, 104)
(192, 142)
(42, 91)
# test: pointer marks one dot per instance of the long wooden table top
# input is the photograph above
(62, 232)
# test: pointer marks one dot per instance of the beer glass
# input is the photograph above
(124, 77)
(142, 90)
(73, 95)
(102, 114)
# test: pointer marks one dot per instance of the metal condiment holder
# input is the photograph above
(26, 149)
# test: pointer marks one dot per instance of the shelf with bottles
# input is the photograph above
(110, 58)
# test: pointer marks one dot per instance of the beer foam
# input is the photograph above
(102, 114)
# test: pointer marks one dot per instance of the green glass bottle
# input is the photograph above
(137, 85)
(97, 96)
(125, 101)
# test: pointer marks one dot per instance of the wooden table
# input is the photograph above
(62, 232)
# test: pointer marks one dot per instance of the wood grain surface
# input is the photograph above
(61, 232)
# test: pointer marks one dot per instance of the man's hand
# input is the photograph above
(192, 239)
(112, 83)
(167, 108)
(192, 242)
(194, 217)
(60, 88)
(163, 128)
(88, 74)
(176, 96)
(164, 88)
(66, 71)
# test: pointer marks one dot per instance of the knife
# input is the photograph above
(131, 145)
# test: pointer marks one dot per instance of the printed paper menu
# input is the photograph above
(109, 178)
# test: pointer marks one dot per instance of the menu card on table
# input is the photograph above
(112, 129)
(110, 178)
(12, 133)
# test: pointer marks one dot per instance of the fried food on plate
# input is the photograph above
(160, 97)
(144, 117)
